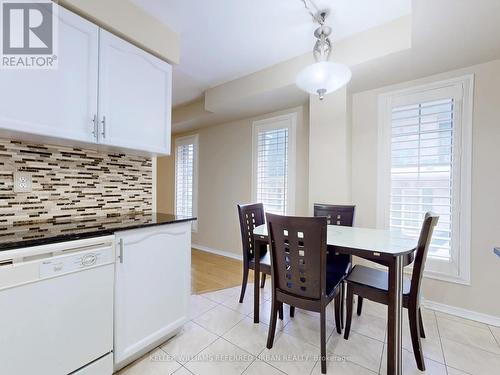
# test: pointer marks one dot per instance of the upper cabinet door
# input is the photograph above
(135, 91)
(59, 103)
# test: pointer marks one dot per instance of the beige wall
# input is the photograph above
(165, 177)
(225, 179)
(125, 19)
(329, 150)
(485, 276)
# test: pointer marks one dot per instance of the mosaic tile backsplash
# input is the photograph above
(71, 182)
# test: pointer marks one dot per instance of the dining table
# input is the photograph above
(391, 248)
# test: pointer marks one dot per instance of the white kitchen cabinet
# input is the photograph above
(134, 97)
(152, 288)
(105, 93)
(58, 104)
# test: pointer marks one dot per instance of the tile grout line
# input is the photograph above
(251, 363)
(193, 321)
(173, 337)
(246, 351)
(440, 342)
(315, 364)
(494, 337)
(382, 358)
(473, 346)
(454, 368)
(463, 321)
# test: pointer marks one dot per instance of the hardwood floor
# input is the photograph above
(211, 272)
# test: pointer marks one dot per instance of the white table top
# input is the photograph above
(372, 240)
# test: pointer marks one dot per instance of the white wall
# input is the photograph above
(482, 295)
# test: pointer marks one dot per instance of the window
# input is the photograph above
(186, 175)
(425, 153)
(274, 163)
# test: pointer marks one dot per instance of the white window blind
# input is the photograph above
(185, 176)
(422, 155)
(272, 169)
(425, 163)
(274, 161)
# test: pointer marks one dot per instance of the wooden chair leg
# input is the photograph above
(337, 305)
(280, 311)
(349, 302)
(360, 305)
(263, 280)
(342, 301)
(244, 283)
(415, 337)
(323, 339)
(272, 323)
(292, 311)
(421, 323)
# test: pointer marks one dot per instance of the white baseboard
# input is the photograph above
(223, 253)
(463, 313)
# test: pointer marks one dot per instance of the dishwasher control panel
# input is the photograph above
(75, 262)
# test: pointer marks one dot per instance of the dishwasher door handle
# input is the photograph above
(121, 250)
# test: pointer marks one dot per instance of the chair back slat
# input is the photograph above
(336, 214)
(424, 240)
(298, 255)
(251, 216)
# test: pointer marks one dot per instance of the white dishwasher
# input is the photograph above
(56, 308)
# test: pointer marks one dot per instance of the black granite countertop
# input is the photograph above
(34, 233)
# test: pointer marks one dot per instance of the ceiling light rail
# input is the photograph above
(316, 14)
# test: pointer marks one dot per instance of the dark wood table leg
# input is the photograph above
(395, 318)
(256, 282)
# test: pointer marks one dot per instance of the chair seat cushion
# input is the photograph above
(338, 263)
(374, 278)
(333, 279)
(265, 263)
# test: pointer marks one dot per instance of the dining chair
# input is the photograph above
(372, 284)
(251, 216)
(299, 273)
(338, 215)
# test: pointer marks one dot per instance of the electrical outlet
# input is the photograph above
(23, 182)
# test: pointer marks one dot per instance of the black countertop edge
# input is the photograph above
(46, 237)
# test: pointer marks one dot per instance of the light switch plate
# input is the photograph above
(23, 182)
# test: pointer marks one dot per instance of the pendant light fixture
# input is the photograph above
(322, 77)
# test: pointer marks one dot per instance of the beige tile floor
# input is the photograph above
(221, 339)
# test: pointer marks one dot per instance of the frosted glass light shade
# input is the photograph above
(323, 77)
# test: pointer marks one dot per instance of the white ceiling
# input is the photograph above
(446, 35)
(222, 40)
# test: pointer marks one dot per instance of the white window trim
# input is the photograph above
(457, 271)
(270, 124)
(190, 139)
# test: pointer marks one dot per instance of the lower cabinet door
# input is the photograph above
(152, 288)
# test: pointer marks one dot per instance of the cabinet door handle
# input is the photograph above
(94, 127)
(103, 122)
(121, 250)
